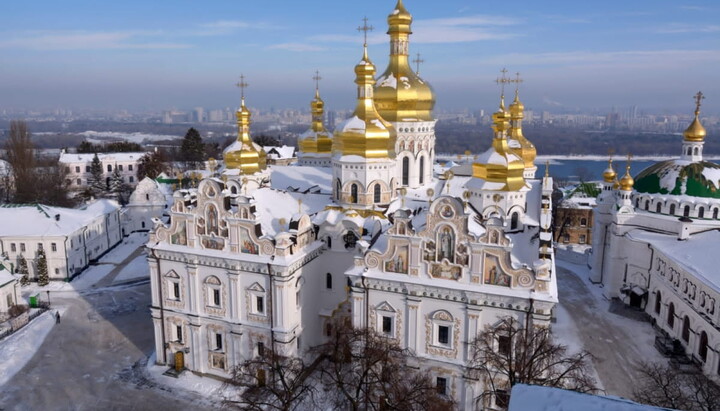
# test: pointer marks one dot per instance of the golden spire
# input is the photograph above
(696, 132)
(527, 150)
(627, 182)
(243, 154)
(317, 139)
(366, 134)
(547, 168)
(400, 94)
(500, 164)
(609, 175)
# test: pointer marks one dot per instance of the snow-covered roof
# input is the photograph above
(280, 152)
(301, 178)
(5, 276)
(696, 254)
(537, 398)
(275, 205)
(40, 220)
(104, 157)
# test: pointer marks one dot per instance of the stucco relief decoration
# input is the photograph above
(250, 293)
(211, 283)
(492, 273)
(171, 278)
(247, 246)
(447, 352)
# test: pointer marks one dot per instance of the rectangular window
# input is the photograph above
(79, 181)
(53, 247)
(504, 345)
(12, 247)
(218, 342)
(22, 247)
(130, 167)
(216, 297)
(297, 299)
(109, 167)
(87, 169)
(77, 169)
(176, 290)
(387, 325)
(502, 399)
(443, 334)
(131, 179)
(178, 333)
(261, 348)
(57, 271)
(260, 304)
(40, 247)
(120, 167)
(441, 385)
(582, 239)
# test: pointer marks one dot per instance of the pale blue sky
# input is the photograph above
(160, 54)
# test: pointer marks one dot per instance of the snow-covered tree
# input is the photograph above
(118, 188)
(42, 269)
(96, 180)
(22, 269)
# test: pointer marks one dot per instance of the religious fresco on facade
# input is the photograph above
(429, 251)
(399, 263)
(213, 243)
(446, 242)
(447, 212)
(446, 271)
(212, 221)
(493, 274)
(247, 246)
(179, 237)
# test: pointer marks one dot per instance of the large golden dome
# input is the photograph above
(524, 147)
(627, 182)
(609, 175)
(244, 154)
(400, 94)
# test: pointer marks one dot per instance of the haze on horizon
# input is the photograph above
(162, 54)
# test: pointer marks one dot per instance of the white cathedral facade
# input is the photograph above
(248, 262)
(654, 242)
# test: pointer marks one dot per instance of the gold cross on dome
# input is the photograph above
(317, 79)
(417, 62)
(699, 97)
(502, 80)
(517, 82)
(365, 28)
(242, 85)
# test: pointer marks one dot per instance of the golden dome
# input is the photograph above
(527, 150)
(500, 164)
(317, 139)
(696, 132)
(627, 182)
(400, 94)
(244, 154)
(609, 175)
(366, 133)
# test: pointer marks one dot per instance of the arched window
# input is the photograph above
(328, 329)
(658, 302)
(689, 151)
(703, 348)
(686, 211)
(695, 151)
(328, 281)
(647, 204)
(686, 329)
(376, 193)
(701, 212)
(672, 209)
(338, 189)
(583, 222)
(715, 214)
(233, 190)
(671, 316)
(514, 221)
(354, 193)
(658, 207)
(405, 170)
(422, 170)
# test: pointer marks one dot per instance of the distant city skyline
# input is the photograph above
(157, 55)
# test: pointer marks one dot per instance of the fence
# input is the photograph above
(19, 326)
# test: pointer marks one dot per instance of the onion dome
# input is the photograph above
(524, 148)
(696, 132)
(366, 133)
(627, 182)
(609, 175)
(317, 139)
(244, 154)
(499, 166)
(400, 94)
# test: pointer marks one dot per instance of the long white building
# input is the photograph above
(78, 167)
(70, 238)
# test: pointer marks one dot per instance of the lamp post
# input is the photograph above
(48, 294)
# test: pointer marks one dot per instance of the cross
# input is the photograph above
(517, 82)
(317, 79)
(503, 80)
(365, 28)
(629, 160)
(699, 97)
(417, 61)
(242, 85)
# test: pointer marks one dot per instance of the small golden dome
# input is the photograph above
(609, 175)
(399, 17)
(696, 132)
(517, 109)
(501, 118)
(627, 182)
(244, 154)
(527, 150)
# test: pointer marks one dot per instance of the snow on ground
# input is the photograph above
(125, 248)
(137, 268)
(537, 398)
(17, 349)
(207, 387)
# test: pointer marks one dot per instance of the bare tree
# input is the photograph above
(510, 353)
(20, 155)
(269, 381)
(365, 370)
(665, 386)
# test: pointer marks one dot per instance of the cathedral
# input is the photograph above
(366, 227)
(654, 239)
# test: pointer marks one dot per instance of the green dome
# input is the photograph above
(680, 177)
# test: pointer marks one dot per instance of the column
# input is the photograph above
(413, 306)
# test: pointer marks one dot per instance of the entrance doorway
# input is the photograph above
(179, 361)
